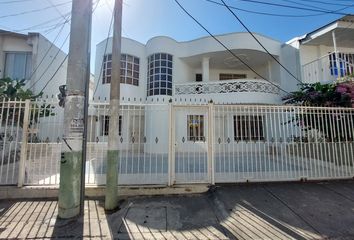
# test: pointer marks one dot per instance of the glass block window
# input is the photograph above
(129, 69)
(160, 67)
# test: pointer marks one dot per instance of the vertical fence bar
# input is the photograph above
(211, 167)
(173, 144)
(23, 156)
(170, 143)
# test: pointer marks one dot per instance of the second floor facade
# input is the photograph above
(199, 70)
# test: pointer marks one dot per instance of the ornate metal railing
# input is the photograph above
(227, 86)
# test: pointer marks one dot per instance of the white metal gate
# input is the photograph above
(166, 144)
(190, 144)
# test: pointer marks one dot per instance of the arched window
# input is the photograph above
(160, 67)
(129, 69)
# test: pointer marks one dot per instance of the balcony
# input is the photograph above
(231, 91)
(325, 70)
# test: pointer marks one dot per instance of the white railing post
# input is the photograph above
(171, 152)
(24, 145)
(211, 168)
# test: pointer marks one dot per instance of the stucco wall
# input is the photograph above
(183, 72)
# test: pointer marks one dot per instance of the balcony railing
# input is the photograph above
(325, 69)
(227, 86)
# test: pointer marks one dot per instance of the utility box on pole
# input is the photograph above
(71, 162)
(111, 201)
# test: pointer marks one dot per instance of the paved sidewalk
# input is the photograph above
(255, 211)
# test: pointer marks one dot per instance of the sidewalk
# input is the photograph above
(255, 211)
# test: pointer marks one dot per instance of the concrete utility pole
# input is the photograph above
(72, 160)
(111, 201)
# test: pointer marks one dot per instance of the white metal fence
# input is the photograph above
(170, 143)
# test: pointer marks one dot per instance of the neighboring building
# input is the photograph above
(327, 53)
(34, 58)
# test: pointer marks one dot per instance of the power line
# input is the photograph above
(306, 5)
(50, 64)
(104, 53)
(223, 45)
(52, 77)
(47, 52)
(259, 42)
(326, 3)
(267, 13)
(56, 9)
(32, 11)
(337, 12)
(37, 26)
(15, 1)
(55, 73)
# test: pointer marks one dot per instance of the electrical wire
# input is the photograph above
(259, 42)
(38, 26)
(223, 45)
(45, 55)
(338, 11)
(267, 13)
(50, 64)
(326, 3)
(306, 5)
(56, 9)
(15, 1)
(66, 57)
(104, 53)
(33, 11)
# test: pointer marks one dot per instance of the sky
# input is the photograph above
(144, 19)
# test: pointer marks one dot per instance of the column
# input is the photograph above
(205, 68)
(336, 53)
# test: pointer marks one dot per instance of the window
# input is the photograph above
(105, 125)
(198, 77)
(248, 128)
(160, 74)
(18, 65)
(195, 128)
(230, 76)
(345, 60)
(129, 69)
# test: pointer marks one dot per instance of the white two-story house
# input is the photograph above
(192, 72)
(201, 70)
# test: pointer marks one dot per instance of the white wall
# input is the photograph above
(291, 61)
(47, 58)
(183, 72)
(127, 91)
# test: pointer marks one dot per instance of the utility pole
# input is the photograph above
(111, 201)
(72, 161)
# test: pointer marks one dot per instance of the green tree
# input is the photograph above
(11, 90)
